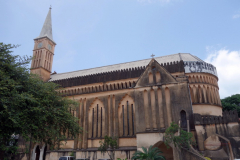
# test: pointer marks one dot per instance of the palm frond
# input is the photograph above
(152, 153)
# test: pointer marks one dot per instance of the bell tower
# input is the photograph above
(43, 50)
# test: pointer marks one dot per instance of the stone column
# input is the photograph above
(153, 106)
(146, 104)
(160, 106)
(85, 124)
(168, 105)
(81, 123)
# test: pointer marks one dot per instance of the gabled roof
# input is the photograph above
(144, 81)
(47, 27)
(187, 58)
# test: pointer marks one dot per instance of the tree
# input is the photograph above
(183, 140)
(109, 145)
(30, 107)
(152, 153)
(231, 103)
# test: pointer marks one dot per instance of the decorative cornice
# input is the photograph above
(171, 67)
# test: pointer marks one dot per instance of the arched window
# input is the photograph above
(126, 85)
(196, 79)
(44, 152)
(201, 79)
(96, 120)
(130, 84)
(34, 63)
(37, 153)
(126, 115)
(193, 79)
(134, 83)
(158, 77)
(183, 120)
(150, 78)
(45, 64)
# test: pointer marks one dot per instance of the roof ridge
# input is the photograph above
(126, 65)
(180, 56)
(198, 58)
(117, 64)
(103, 66)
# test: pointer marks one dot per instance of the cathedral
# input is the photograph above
(137, 101)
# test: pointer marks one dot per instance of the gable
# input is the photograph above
(155, 74)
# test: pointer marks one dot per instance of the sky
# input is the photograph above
(94, 33)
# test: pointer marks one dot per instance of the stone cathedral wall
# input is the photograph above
(136, 105)
(130, 109)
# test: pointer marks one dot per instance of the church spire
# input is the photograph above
(47, 27)
(43, 51)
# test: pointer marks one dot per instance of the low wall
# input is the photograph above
(91, 154)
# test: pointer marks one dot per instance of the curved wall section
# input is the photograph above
(204, 93)
(205, 109)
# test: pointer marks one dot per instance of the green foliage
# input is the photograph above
(182, 140)
(30, 107)
(72, 154)
(207, 158)
(109, 145)
(152, 153)
(231, 103)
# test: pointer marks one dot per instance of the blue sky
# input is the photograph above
(94, 33)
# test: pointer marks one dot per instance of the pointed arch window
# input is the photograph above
(96, 120)
(126, 117)
(183, 120)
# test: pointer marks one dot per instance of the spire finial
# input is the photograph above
(50, 7)
(152, 55)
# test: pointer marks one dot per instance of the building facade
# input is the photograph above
(137, 101)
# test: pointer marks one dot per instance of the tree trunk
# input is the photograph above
(30, 145)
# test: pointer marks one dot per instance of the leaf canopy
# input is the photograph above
(231, 103)
(30, 107)
(183, 140)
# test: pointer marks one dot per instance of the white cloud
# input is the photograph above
(228, 68)
(236, 16)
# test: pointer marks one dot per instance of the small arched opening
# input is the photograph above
(167, 152)
(150, 77)
(183, 120)
(37, 153)
(44, 153)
